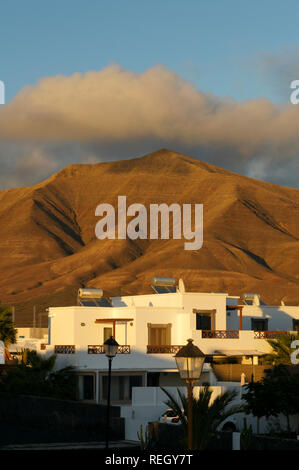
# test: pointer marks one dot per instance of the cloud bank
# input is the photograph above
(113, 113)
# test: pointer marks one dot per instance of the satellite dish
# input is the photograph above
(181, 286)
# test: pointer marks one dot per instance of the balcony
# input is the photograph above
(220, 334)
(65, 349)
(268, 334)
(235, 334)
(249, 342)
(165, 349)
(100, 349)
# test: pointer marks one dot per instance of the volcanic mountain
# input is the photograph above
(48, 247)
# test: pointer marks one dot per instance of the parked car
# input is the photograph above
(170, 416)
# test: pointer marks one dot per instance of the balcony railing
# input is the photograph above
(168, 349)
(220, 334)
(100, 349)
(65, 349)
(268, 334)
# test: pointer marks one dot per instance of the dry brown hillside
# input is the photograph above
(48, 247)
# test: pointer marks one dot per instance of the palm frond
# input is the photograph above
(281, 349)
(208, 414)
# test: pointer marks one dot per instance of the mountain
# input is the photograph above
(48, 247)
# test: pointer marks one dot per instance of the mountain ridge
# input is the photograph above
(48, 247)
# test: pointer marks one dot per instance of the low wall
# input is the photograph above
(273, 443)
(232, 372)
(38, 419)
(168, 437)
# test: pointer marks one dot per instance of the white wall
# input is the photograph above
(149, 300)
(140, 360)
(62, 325)
(206, 302)
(279, 318)
(76, 325)
(176, 309)
(148, 405)
(39, 333)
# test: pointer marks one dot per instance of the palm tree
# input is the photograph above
(207, 414)
(35, 375)
(281, 349)
(7, 329)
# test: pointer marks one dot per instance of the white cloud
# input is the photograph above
(109, 113)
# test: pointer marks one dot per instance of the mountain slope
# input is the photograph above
(48, 247)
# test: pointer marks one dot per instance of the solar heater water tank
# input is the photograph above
(252, 299)
(163, 281)
(90, 293)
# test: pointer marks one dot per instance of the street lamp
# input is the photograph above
(190, 360)
(110, 348)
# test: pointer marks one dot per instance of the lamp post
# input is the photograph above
(110, 347)
(190, 360)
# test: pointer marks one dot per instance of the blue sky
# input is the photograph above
(217, 45)
(119, 79)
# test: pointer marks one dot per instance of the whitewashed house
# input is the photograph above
(150, 329)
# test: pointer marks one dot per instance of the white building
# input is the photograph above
(150, 329)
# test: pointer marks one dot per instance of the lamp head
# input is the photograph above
(190, 360)
(111, 347)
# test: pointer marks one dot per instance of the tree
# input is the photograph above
(207, 415)
(8, 331)
(35, 376)
(257, 400)
(281, 349)
(277, 393)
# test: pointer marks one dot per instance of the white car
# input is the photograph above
(170, 416)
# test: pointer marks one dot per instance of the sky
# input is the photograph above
(106, 80)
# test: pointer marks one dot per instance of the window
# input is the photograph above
(205, 319)
(107, 333)
(86, 389)
(159, 335)
(121, 387)
(203, 322)
(135, 381)
(296, 325)
(153, 379)
(260, 324)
